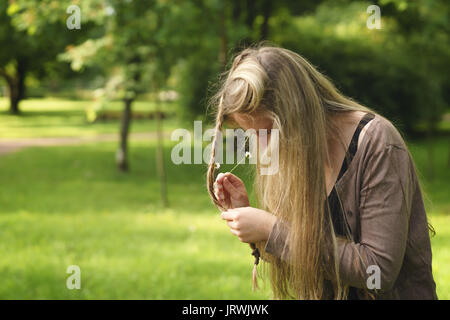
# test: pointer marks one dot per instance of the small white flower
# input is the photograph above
(248, 155)
(217, 165)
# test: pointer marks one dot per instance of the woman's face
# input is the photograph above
(255, 121)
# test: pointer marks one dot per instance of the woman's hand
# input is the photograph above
(230, 191)
(249, 224)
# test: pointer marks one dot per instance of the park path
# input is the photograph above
(8, 145)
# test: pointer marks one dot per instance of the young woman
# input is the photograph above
(343, 217)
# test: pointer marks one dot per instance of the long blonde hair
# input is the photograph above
(302, 103)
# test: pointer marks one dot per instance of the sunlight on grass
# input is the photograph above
(441, 254)
(61, 118)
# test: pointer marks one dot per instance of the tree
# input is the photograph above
(138, 48)
(126, 49)
(130, 42)
(29, 47)
(15, 62)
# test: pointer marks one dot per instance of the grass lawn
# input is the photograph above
(68, 205)
(62, 206)
(437, 202)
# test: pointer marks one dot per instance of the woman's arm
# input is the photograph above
(385, 205)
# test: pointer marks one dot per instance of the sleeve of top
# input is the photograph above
(385, 203)
(385, 200)
(277, 242)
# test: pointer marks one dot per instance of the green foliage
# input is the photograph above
(396, 70)
(33, 44)
(35, 31)
(197, 73)
(396, 75)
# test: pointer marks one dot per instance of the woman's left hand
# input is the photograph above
(249, 224)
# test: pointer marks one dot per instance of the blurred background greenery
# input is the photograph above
(86, 116)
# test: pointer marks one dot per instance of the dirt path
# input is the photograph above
(8, 145)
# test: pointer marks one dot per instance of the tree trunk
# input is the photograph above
(267, 10)
(236, 11)
(16, 86)
(13, 98)
(122, 152)
(160, 156)
(223, 37)
(250, 15)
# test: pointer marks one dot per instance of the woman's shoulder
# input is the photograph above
(382, 133)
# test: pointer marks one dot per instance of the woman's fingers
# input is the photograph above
(235, 232)
(220, 177)
(228, 215)
(231, 177)
(230, 191)
(231, 217)
(235, 181)
(229, 186)
(219, 194)
(218, 191)
(232, 224)
(229, 182)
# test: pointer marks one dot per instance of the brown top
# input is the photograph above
(384, 210)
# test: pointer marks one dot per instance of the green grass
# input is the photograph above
(437, 202)
(68, 205)
(56, 117)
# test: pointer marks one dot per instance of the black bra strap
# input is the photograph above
(354, 143)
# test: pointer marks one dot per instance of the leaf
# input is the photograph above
(13, 8)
